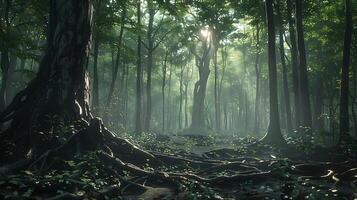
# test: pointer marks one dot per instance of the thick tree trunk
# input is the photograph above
(59, 95)
(199, 92)
(306, 118)
(344, 95)
(95, 103)
(138, 113)
(285, 77)
(4, 64)
(294, 65)
(273, 135)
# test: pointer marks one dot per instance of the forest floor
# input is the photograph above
(208, 168)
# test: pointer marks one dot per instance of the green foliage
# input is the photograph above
(85, 176)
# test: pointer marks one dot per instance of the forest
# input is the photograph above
(178, 99)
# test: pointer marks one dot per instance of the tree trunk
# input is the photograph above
(95, 76)
(164, 69)
(285, 77)
(306, 118)
(318, 120)
(225, 113)
(257, 88)
(138, 113)
(199, 92)
(273, 135)
(10, 78)
(5, 57)
(181, 97)
(344, 95)
(169, 100)
(354, 96)
(4, 79)
(117, 59)
(59, 95)
(217, 111)
(186, 104)
(126, 97)
(220, 86)
(150, 50)
(294, 65)
(23, 63)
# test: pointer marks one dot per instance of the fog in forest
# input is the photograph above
(178, 99)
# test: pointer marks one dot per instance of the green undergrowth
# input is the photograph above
(84, 177)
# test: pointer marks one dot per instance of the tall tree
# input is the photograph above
(294, 64)
(163, 85)
(257, 74)
(273, 135)
(306, 118)
(5, 62)
(199, 92)
(118, 55)
(95, 103)
(150, 50)
(60, 90)
(344, 92)
(97, 41)
(138, 114)
(284, 72)
(181, 95)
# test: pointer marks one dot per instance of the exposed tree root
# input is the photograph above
(238, 166)
(151, 175)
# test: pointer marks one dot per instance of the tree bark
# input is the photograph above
(10, 78)
(354, 96)
(169, 116)
(181, 97)
(273, 135)
(95, 76)
(217, 110)
(318, 120)
(138, 113)
(150, 51)
(220, 86)
(257, 88)
(4, 64)
(163, 84)
(187, 83)
(59, 95)
(4, 79)
(344, 92)
(118, 56)
(285, 77)
(96, 35)
(306, 118)
(294, 65)
(199, 92)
